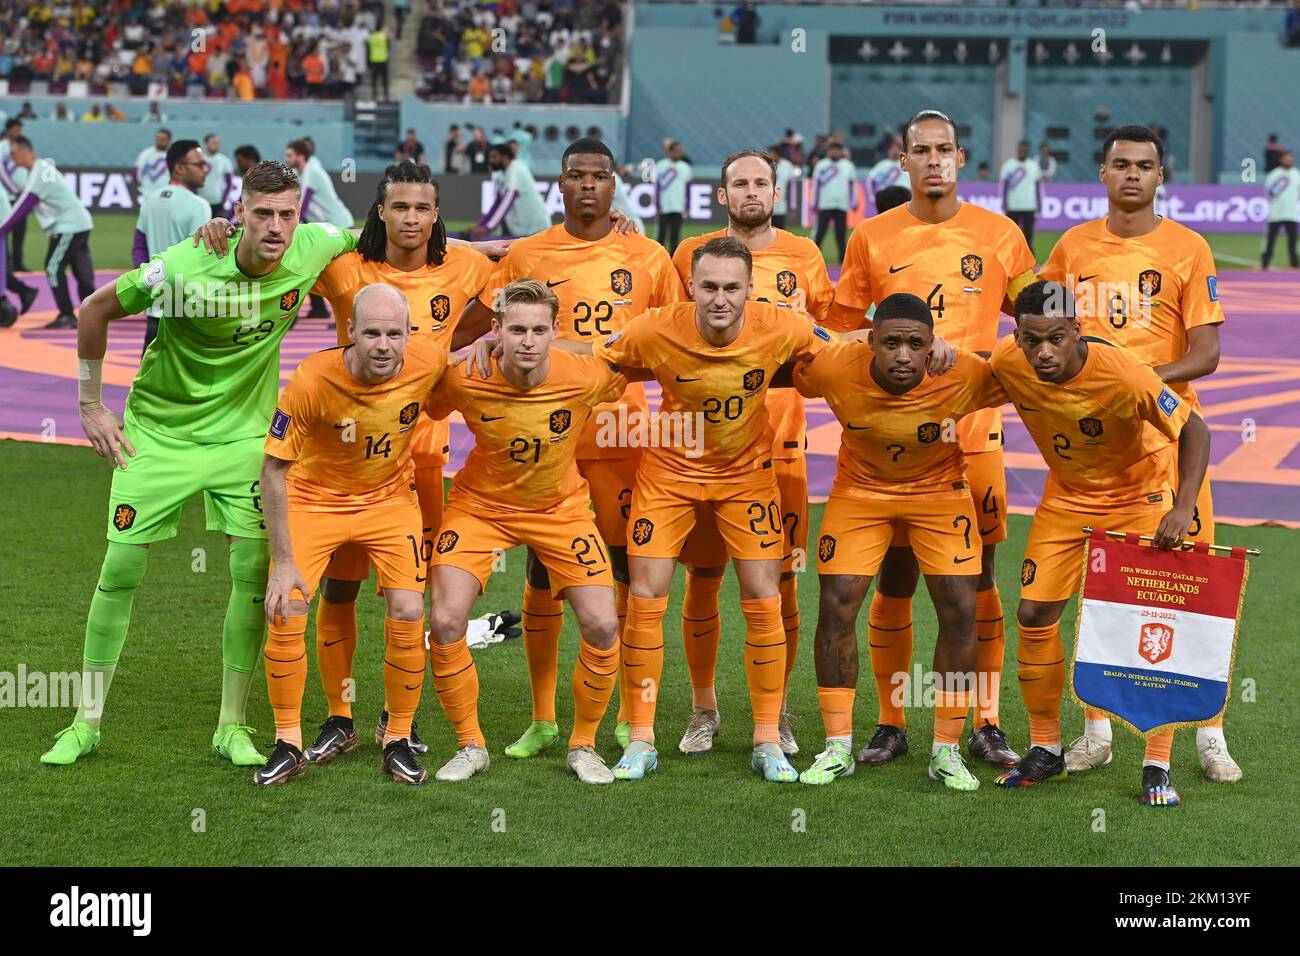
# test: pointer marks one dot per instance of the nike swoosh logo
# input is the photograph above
(494, 418)
(1086, 278)
(1026, 408)
(768, 544)
(900, 268)
(260, 600)
(413, 686)
(858, 428)
(283, 766)
(989, 530)
(683, 380)
(332, 643)
(552, 285)
(700, 633)
(281, 675)
(772, 661)
(592, 574)
(962, 560)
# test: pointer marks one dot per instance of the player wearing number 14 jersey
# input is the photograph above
(601, 280)
(967, 263)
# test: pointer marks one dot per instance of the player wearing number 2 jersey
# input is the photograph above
(966, 263)
(194, 422)
(601, 280)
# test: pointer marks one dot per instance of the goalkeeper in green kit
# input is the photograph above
(196, 420)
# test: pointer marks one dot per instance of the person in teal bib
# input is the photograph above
(195, 420)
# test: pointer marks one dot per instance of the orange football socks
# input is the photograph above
(286, 675)
(991, 631)
(949, 715)
(837, 711)
(790, 622)
(889, 637)
(701, 632)
(764, 664)
(403, 674)
(456, 681)
(594, 676)
(336, 645)
(1041, 659)
(643, 662)
(543, 619)
(1159, 748)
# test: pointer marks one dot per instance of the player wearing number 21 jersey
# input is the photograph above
(714, 359)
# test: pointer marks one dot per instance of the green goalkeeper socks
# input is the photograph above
(244, 627)
(106, 624)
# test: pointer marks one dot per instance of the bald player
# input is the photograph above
(403, 244)
(521, 485)
(789, 271)
(967, 263)
(1117, 441)
(601, 279)
(338, 473)
(1148, 284)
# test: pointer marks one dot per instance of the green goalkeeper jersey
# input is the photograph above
(213, 373)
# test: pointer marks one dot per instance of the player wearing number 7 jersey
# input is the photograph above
(601, 280)
(967, 263)
(194, 421)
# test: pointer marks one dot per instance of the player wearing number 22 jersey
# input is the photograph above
(966, 262)
(714, 359)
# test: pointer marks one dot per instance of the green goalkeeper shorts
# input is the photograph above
(146, 499)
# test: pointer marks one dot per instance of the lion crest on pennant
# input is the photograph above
(1155, 642)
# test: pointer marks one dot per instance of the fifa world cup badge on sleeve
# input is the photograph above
(1167, 401)
(1157, 633)
(280, 424)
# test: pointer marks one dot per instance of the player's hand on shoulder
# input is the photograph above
(493, 248)
(104, 429)
(279, 590)
(213, 234)
(622, 224)
(479, 355)
(942, 357)
(1173, 528)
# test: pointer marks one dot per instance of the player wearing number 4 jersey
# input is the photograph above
(521, 485)
(967, 263)
(1110, 431)
(194, 422)
(789, 271)
(403, 244)
(1147, 284)
(714, 359)
(338, 473)
(900, 467)
(601, 279)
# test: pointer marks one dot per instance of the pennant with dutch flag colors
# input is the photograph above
(1157, 632)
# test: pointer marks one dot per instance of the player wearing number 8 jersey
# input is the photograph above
(1112, 434)
(338, 473)
(714, 359)
(403, 244)
(601, 279)
(521, 485)
(900, 466)
(1148, 284)
(967, 263)
(194, 420)
(790, 272)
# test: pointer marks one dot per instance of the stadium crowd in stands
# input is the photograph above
(250, 48)
(542, 51)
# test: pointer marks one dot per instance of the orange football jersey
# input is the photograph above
(713, 425)
(1105, 434)
(962, 268)
(898, 445)
(600, 286)
(436, 294)
(790, 273)
(524, 457)
(350, 441)
(1142, 293)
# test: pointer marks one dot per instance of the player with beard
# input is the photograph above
(602, 279)
(1148, 284)
(968, 264)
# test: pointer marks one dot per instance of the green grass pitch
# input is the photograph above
(136, 802)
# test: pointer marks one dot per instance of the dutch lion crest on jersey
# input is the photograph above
(446, 541)
(643, 530)
(440, 308)
(123, 517)
(825, 548)
(972, 266)
(289, 300)
(1156, 642)
(786, 282)
(1028, 571)
(1149, 282)
(561, 420)
(620, 280)
(927, 433)
(1090, 426)
(409, 413)
(753, 379)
